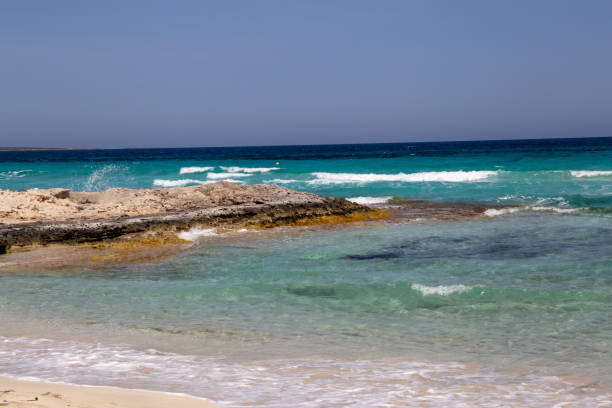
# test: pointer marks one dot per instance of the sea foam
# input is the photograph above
(590, 173)
(441, 290)
(289, 382)
(189, 170)
(427, 176)
(194, 233)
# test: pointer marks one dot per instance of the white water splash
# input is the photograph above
(195, 233)
(100, 178)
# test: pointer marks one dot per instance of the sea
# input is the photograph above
(511, 309)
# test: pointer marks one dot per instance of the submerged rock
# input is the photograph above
(312, 291)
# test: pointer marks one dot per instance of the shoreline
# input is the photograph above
(20, 393)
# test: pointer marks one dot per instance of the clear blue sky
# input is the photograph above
(202, 73)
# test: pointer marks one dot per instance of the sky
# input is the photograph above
(118, 74)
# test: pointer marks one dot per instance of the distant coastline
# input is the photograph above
(25, 149)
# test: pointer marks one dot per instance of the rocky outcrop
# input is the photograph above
(242, 205)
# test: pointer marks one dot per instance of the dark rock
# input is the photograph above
(60, 193)
(312, 291)
(270, 213)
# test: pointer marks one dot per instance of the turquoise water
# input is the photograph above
(560, 172)
(506, 310)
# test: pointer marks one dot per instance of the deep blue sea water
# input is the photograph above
(511, 309)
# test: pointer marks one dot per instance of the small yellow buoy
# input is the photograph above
(277, 163)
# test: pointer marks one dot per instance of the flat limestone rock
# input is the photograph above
(58, 215)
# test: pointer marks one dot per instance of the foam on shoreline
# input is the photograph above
(288, 382)
(195, 233)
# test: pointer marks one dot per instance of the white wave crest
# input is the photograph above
(427, 176)
(194, 233)
(553, 209)
(369, 200)
(441, 290)
(13, 174)
(236, 169)
(224, 175)
(590, 173)
(189, 170)
(176, 183)
(493, 212)
(184, 182)
(281, 181)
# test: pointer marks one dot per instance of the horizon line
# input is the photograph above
(32, 148)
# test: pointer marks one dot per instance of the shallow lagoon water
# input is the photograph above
(523, 297)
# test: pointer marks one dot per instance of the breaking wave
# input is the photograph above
(185, 182)
(428, 176)
(6, 175)
(176, 183)
(494, 212)
(369, 200)
(189, 170)
(590, 173)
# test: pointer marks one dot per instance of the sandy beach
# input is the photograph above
(34, 394)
